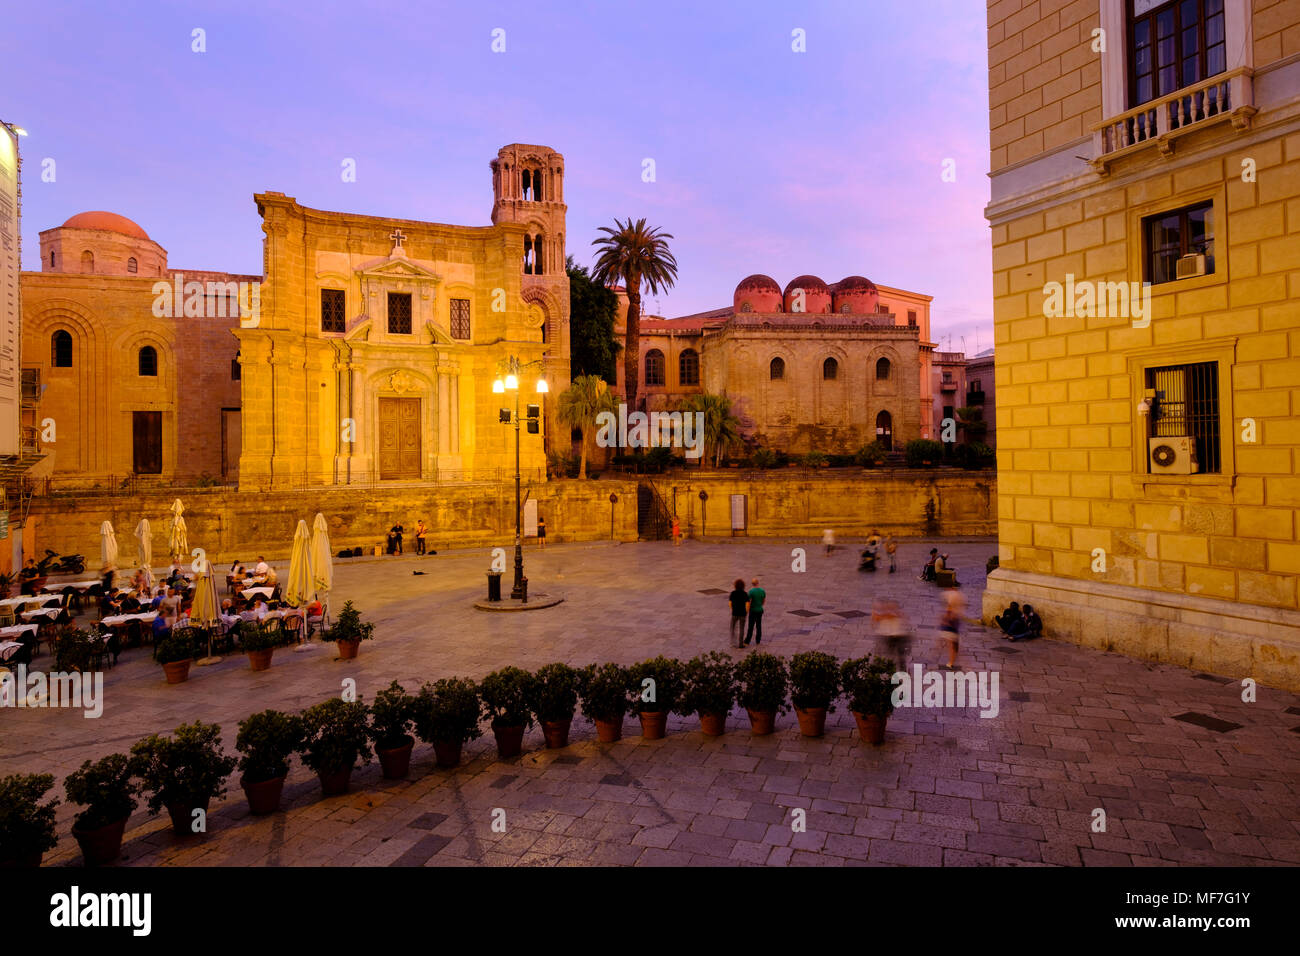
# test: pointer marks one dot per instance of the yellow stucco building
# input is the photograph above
(379, 339)
(1145, 212)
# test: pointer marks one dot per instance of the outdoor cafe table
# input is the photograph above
(14, 602)
(117, 620)
(17, 630)
(50, 612)
(8, 649)
(79, 585)
(265, 592)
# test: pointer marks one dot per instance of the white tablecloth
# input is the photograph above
(79, 585)
(17, 629)
(253, 592)
(8, 649)
(14, 602)
(112, 619)
(51, 613)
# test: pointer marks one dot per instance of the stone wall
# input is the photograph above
(230, 525)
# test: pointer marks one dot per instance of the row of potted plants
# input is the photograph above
(185, 772)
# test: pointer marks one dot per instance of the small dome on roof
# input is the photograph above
(107, 221)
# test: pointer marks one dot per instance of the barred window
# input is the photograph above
(688, 368)
(399, 313)
(148, 361)
(830, 369)
(776, 370)
(654, 367)
(882, 370)
(132, 265)
(332, 305)
(1186, 405)
(460, 318)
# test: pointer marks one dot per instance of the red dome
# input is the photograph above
(816, 295)
(856, 295)
(107, 221)
(759, 292)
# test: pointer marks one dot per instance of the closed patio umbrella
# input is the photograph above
(322, 561)
(144, 549)
(177, 536)
(205, 611)
(297, 589)
(107, 547)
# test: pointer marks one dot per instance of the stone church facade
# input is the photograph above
(379, 339)
(811, 367)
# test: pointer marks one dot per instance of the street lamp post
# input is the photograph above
(510, 383)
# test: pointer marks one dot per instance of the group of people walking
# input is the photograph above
(746, 606)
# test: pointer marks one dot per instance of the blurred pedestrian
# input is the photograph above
(828, 539)
(891, 546)
(950, 622)
(893, 630)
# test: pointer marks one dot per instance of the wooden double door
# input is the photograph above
(399, 438)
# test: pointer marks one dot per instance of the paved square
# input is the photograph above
(1185, 771)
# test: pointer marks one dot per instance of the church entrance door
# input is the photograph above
(146, 440)
(399, 438)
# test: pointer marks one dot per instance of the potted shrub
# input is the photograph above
(175, 653)
(603, 689)
(923, 452)
(183, 773)
(26, 825)
(391, 716)
(348, 631)
(334, 736)
(446, 715)
(763, 683)
(265, 742)
(710, 690)
(259, 639)
(505, 695)
(657, 688)
(814, 685)
(871, 454)
(868, 687)
(554, 695)
(107, 792)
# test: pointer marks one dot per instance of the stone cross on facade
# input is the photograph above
(397, 238)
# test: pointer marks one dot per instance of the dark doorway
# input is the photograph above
(885, 430)
(146, 438)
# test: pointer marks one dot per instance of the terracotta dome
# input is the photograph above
(816, 294)
(856, 295)
(107, 221)
(759, 292)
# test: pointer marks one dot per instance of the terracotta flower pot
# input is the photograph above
(871, 727)
(103, 845)
(510, 740)
(260, 660)
(608, 731)
(348, 649)
(24, 862)
(654, 724)
(336, 782)
(812, 722)
(264, 795)
(761, 722)
(447, 752)
(182, 815)
(714, 725)
(556, 732)
(178, 672)
(397, 760)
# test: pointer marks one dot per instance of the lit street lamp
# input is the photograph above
(510, 383)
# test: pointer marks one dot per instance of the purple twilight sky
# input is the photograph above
(767, 160)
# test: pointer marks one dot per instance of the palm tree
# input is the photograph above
(578, 406)
(721, 428)
(633, 253)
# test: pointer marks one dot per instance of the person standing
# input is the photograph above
(420, 531)
(950, 622)
(891, 547)
(396, 534)
(541, 531)
(756, 598)
(739, 602)
(677, 531)
(828, 539)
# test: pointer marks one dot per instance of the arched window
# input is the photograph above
(148, 361)
(688, 368)
(87, 261)
(830, 369)
(131, 265)
(545, 331)
(51, 258)
(882, 370)
(777, 369)
(885, 430)
(61, 349)
(654, 367)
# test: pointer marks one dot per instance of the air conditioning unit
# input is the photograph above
(1190, 266)
(1173, 455)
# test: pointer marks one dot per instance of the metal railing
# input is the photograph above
(1225, 96)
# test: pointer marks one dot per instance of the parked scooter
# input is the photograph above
(868, 562)
(65, 564)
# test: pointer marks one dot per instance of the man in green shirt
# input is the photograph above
(756, 598)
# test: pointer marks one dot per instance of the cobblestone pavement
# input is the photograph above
(1076, 730)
